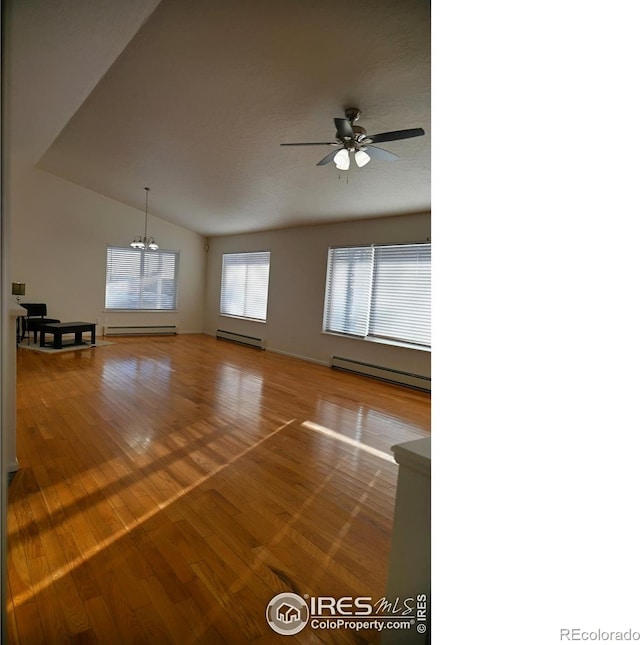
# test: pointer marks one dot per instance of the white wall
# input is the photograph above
(296, 289)
(59, 232)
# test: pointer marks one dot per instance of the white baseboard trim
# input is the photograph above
(13, 466)
(302, 358)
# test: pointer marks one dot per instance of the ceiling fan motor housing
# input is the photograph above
(353, 114)
(359, 133)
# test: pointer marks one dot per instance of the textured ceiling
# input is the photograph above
(196, 105)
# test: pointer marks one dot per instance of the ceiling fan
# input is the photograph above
(353, 139)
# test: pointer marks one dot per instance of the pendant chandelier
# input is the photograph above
(145, 242)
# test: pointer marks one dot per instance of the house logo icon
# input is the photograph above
(287, 613)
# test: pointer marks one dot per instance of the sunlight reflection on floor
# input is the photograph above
(310, 425)
(38, 586)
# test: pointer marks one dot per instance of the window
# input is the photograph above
(141, 280)
(381, 292)
(245, 285)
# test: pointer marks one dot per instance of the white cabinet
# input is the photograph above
(410, 560)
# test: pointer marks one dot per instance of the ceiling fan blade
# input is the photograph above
(323, 143)
(325, 160)
(378, 153)
(343, 128)
(396, 135)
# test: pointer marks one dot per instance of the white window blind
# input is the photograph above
(380, 292)
(348, 293)
(245, 284)
(141, 280)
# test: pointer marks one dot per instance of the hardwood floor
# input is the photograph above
(170, 487)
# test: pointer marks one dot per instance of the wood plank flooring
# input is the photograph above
(170, 487)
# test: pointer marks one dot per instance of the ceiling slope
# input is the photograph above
(197, 103)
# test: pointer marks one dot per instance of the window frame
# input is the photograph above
(369, 299)
(224, 277)
(142, 253)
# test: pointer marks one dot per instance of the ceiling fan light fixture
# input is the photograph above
(342, 160)
(362, 158)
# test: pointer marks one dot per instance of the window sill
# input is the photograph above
(380, 341)
(140, 311)
(256, 320)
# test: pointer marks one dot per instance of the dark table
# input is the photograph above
(57, 329)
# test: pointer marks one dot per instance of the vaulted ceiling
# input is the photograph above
(193, 98)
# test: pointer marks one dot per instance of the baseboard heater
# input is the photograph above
(251, 341)
(140, 330)
(399, 377)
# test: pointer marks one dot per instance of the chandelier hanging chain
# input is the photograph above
(145, 242)
(146, 213)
